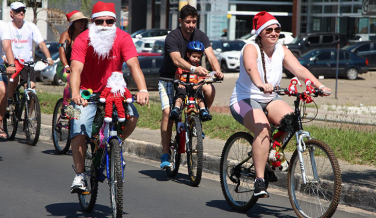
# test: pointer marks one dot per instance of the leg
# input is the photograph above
(78, 152)
(209, 94)
(12, 86)
(131, 122)
(3, 103)
(277, 110)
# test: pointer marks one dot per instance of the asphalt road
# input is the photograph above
(35, 182)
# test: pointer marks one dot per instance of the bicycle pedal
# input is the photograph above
(85, 193)
(263, 196)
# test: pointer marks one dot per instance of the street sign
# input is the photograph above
(369, 7)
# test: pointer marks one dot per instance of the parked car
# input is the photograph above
(323, 62)
(227, 53)
(48, 73)
(144, 45)
(53, 47)
(284, 38)
(150, 33)
(366, 49)
(308, 41)
(158, 47)
(150, 66)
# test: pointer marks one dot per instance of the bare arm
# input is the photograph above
(7, 46)
(183, 64)
(75, 82)
(46, 52)
(62, 54)
(138, 77)
(213, 62)
(293, 65)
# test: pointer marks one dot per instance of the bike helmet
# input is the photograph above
(195, 46)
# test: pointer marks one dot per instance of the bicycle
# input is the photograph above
(104, 160)
(189, 136)
(313, 178)
(25, 103)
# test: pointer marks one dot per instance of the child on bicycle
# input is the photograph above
(195, 50)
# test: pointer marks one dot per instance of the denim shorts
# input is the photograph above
(3, 77)
(83, 126)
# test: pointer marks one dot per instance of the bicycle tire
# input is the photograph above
(195, 151)
(32, 122)
(87, 201)
(116, 175)
(238, 148)
(319, 197)
(11, 120)
(60, 130)
(175, 155)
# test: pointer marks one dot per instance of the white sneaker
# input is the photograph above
(78, 184)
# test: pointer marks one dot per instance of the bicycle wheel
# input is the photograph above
(32, 120)
(87, 199)
(11, 120)
(60, 129)
(320, 195)
(237, 172)
(116, 175)
(195, 151)
(175, 155)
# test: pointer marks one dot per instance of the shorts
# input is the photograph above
(166, 93)
(23, 74)
(83, 126)
(3, 77)
(241, 108)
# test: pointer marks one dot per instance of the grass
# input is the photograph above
(354, 144)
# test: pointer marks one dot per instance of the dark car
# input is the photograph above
(323, 62)
(158, 47)
(53, 47)
(366, 49)
(150, 67)
(308, 41)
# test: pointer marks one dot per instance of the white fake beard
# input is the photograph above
(102, 39)
(117, 86)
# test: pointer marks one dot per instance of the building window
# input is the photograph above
(316, 25)
(363, 25)
(372, 25)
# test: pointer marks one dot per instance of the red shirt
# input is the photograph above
(96, 71)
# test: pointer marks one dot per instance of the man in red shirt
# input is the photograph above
(97, 52)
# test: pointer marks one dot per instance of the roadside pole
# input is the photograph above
(337, 70)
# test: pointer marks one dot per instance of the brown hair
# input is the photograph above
(258, 42)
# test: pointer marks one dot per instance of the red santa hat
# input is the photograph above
(295, 79)
(103, 9)
(262, 20)
(309, 82)
(75, 15)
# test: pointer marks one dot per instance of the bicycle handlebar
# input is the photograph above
(20, 66)
(206, 80)
(283, 91)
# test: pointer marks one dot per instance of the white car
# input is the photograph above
(155, 34)
(284, 38)
(48, 73)
(227, 53)
(144, 45)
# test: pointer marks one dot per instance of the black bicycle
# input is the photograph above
(313, 178)
(24, 106)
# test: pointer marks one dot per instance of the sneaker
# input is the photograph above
(78, 184)
(165, 161)
(260, 189)
(205, 115)
(175, 113)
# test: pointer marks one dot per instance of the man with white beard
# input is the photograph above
(97, 52)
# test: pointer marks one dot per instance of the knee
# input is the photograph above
(263, 132)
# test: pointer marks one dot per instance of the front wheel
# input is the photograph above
(32, 122)
(195, 151)
(60, 129)
(237, 172)
(175, 155)
(11, 120)
(116, 181)
(320, 195)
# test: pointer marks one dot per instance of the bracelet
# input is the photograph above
(143, 90)
(49, 59)
(322, 86)
(193, 68)
(12, 65)
(66, 66)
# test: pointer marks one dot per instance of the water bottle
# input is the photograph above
(181, 132)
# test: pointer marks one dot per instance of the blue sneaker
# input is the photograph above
(165, 161)
(175, 113)
(205, 115)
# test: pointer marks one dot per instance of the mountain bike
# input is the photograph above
(189, 136)
(104, 160)
(24, 106)
(313, 178)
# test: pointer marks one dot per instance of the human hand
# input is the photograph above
(219, 75)
(78, 100)
(200, 71)
(50, 62)
(326, 91)
(181, 86)
(11, 70)
(266, 88)
(142, 98)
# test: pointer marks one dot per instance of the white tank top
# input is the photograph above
(245, 89)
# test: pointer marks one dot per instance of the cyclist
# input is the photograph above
(78, 23)
(96, 53)
(195, 50)
(261, 67)
(6, 44)
(22, 35)
(175, 56)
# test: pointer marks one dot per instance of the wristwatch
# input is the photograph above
(12, 65)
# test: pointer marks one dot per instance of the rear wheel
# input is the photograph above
(116, 175)
(60, 129)
(174, 156)
(195, 151)
(352, 74)
(32, 122)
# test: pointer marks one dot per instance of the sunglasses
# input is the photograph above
(100, 21)
(20, 10)
(270, 30)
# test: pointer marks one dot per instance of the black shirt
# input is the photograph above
(175, 42)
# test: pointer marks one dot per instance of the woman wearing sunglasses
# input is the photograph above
(78, 23)
(261, 65)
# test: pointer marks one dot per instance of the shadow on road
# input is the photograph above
(73, 210)
(161, 176)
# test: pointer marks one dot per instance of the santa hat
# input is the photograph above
(261, 20)
(309, 82)
(75, 15)
(103, 9)
(296, 80)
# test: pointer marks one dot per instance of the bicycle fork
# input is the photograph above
(300, 146)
